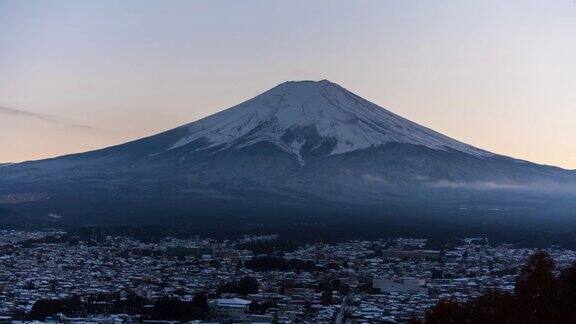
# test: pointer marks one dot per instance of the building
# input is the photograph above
(235, 309)
(401, 285)
(412, 254)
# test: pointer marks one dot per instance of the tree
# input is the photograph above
(201, 300)
(261, 308)
(47, 307)
(493, 307)
(540, 297)
(536, 287)
(326, 297)
(567, 293)
(446, 312)
(167, 308)
(44, 308)
(248, 285)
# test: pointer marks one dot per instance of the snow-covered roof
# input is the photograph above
(233, 302)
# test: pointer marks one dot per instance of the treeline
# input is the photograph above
(269, 246)
(169, 308)
(298, 229)
(272, 263)
(245, 286)
(165, 308)
(541, 296)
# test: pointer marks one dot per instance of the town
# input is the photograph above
(54, 276)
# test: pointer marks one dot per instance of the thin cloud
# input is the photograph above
(43, 117)
(563, 188)
(373, 178)
(477, 185)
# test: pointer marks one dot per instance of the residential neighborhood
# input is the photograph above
(122, 279)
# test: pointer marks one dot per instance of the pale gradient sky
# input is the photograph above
(497, 74)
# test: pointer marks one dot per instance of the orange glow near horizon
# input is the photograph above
(496, 75)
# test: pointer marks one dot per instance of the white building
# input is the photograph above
(401, 285)
(235, 309)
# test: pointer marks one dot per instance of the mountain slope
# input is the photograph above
(293, 113)
(299, 143)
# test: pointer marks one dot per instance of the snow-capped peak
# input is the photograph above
(289, 114)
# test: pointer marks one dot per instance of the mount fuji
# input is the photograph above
(301, 145)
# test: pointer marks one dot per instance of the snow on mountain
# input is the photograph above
(284, 115)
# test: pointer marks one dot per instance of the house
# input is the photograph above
(235, 309)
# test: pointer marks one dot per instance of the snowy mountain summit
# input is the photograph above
(309, 118)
